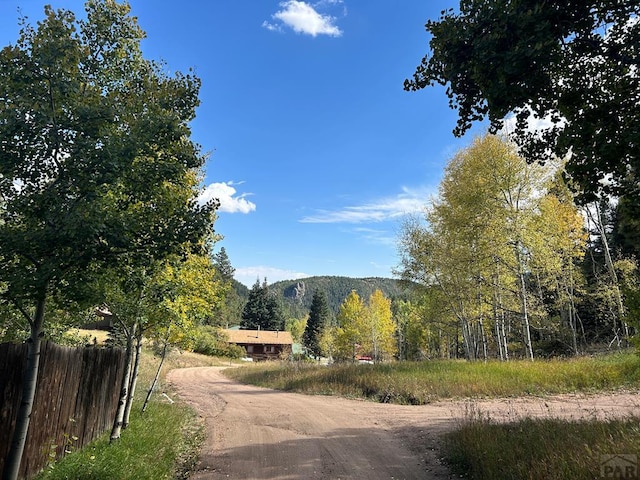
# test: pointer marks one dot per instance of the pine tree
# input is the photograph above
(229, 311)
(262, 311)
(255, 309)
(319, 318)
(275, 318)
(223, 265)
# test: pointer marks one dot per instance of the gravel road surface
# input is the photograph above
(258, 433)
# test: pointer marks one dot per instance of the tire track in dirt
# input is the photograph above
(263, 434)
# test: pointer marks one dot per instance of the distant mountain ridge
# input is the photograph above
(296, 295)
(241, 289)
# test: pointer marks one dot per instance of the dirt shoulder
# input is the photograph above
(257, 433)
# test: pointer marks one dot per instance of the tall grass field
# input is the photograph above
(535, 449)
(418, 383)
(480, 449)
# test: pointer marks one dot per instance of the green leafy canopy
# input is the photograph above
(573, 63)
(95, 156)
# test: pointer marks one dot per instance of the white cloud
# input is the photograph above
(534, 124)
(302, 17)
(271, 26)
(229, 201)
(379, 237)
(249, 275)
(407, 202)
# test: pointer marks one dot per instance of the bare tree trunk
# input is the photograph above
(503, 329)
(501, 335)
(481, 332)
(526, 330)
(612, 272)
(468, 336)
(574, 329)
(497, 334)
(29, 383)
(573, 314)
(504, 336)
(157, 376)
(496, 322)
(124, 388)
(374, 343)
(133, 382)
(483, 336)
(401, 342)
(525, 317)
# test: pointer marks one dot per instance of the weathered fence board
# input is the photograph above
(76, 398)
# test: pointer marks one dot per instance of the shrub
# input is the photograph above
(213, 341)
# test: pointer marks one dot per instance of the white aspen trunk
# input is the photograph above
(576, 316)
(401, 342)
(474, 339)
(525, 318)
(155, 378)
(572, 311)
(483, 337)
(133, 382)
(467, 337)
(481, 332)
(124, 387)
(526, 330)
(374, 342)
(165, 347)
(504, 337)
(496, 325)
(574, 329)
(612, 272)
(501, 335)
(497, 333)
(503, 327)
(29, 383)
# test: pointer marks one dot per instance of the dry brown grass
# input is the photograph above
(99, 335)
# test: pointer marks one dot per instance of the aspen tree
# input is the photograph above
(83, 174)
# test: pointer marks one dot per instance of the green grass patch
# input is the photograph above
(538, 448)
(424, 382)
(162, 443)
(150, 448)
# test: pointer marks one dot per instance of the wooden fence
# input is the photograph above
(76, 399)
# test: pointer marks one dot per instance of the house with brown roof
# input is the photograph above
(262, 344)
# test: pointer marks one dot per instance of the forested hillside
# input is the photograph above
(241, 289)
(296, 295)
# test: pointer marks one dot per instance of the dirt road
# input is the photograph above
(257, 433)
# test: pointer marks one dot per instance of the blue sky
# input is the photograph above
(317, 153)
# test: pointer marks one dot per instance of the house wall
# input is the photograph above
(264, 352)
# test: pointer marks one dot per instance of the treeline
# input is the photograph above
(297, 295)
(504, 264)
(510, 265)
